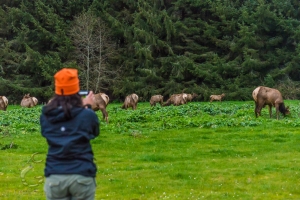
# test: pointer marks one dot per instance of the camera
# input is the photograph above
(83, 92)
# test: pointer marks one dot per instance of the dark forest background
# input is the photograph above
(151, 47)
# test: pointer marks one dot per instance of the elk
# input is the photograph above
(176, 99)
(216, 97)
(3, 103)
(263, 96)
(190, 97)
(130, 101)
(100, 103)
(105, 98)
(156, 99)
(28, 101)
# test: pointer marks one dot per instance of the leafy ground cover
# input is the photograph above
(197, 151)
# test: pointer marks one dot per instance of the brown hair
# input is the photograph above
(66, 102)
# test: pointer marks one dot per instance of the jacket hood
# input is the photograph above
(57, 115)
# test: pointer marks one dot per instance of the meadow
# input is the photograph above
(200, 150)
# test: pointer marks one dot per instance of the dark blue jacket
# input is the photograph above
(70, 151)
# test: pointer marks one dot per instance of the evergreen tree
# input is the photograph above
(160, 47)
(36, 45)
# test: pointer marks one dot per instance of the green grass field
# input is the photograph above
(196, 151)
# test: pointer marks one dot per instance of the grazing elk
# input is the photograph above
(156, 99)
(130, 101)
(216, 97)
(3, 103)
(190, 97)
(254, 96)
(28, 101)
(176, 99)
(105, 98)
(49, 100)
(100, 102)
(269, 96)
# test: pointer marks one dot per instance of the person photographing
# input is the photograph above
(68, 123)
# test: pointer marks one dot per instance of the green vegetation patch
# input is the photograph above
(195, 151)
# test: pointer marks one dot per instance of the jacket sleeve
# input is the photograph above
(42, 118)
(95, 126)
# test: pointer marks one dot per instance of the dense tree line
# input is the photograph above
(151, 47)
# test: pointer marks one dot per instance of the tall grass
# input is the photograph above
(194, 151)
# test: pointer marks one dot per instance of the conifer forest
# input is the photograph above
(151, 47)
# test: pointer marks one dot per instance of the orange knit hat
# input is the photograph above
(66, 82)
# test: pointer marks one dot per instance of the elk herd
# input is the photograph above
(27, 102)
(262, 96)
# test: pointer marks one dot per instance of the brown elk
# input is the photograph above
(100, 103)
(105, 98)
(130, 101)
(254, 96)
(216, 97)
(176, 99)
(156, 99)
(190, 97)
(3, 103)
(263, 96)
(29, 101)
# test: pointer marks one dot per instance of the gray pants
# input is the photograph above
(70, 187)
